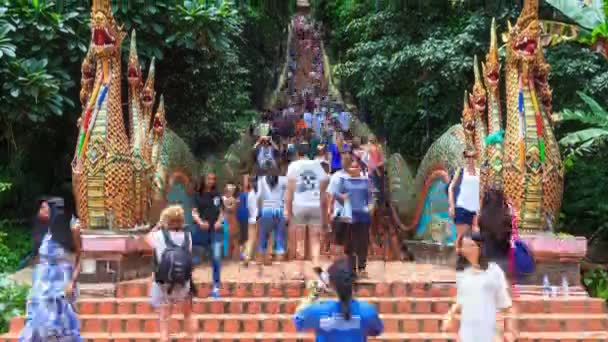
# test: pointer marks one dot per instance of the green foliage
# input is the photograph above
(584, 208)
(15, 244)
(596, 281)
(215, 64)
(13, 297)
(587, 139)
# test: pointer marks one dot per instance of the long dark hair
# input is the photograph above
(253, 183)
(202, 184)
(341, 277)
(40, 228)
(495, 220)
(272, 181)
(58, 225)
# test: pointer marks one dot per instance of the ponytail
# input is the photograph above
(345, 308)
(344, 291)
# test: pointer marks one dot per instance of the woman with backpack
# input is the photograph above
(346, 319)
(482, 291)
(271, 194)
(172, 283)
(50, 313)
(463, 196)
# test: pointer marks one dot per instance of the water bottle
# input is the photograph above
(546, 287)
(565, 286)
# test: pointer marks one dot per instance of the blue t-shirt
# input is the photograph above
(358, 190)
(242, 213)
(329, 325)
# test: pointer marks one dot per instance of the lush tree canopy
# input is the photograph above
(215, 65)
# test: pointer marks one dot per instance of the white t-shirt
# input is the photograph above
(272, 198)
(481, 294)
(309, 175)
(158, 241)
(252, 207)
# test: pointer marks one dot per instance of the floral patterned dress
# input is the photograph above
(50, 314)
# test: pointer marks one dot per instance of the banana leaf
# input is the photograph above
(555, 32)
(587, 13)
(583, 141)
(597, 116)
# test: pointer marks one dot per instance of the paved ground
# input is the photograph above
(378, 271)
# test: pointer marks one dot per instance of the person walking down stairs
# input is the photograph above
(50, 314)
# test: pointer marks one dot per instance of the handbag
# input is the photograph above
(522, 259)
(347, 211)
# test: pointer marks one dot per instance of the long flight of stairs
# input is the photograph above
(257, 311)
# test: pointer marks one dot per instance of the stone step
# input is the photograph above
(272, 323)
(293, 289)
(308, 337)
(385, 305)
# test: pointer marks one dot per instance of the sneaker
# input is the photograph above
(215, 292)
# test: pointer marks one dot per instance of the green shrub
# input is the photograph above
(596, 282)
(13, 297)
(15, 244)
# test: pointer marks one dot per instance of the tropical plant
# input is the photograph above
(595, 118)
(13, 297)
(596, 282)
(591, 21)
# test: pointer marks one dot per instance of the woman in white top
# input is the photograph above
(481, 291)
(463, 194)
(271, 193)
(252, 223)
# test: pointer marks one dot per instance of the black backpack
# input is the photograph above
(175, 265)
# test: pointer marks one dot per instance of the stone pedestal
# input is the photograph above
(556, 256)
(109, 257)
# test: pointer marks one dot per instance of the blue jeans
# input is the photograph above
(272, 222)
(214, 248)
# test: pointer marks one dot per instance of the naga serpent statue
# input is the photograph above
(523, 159)
(119, 179)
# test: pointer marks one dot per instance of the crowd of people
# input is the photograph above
(312, 179)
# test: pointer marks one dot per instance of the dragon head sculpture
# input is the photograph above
(468, 124)
(478, 97)
(158, 125)
(541, 70)
(148, 94)
(491, 67)
(523, 38)
(106, 35)
(134, 69)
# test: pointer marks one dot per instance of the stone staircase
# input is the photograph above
(262, 311)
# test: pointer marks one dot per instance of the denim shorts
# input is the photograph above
(463, 216)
